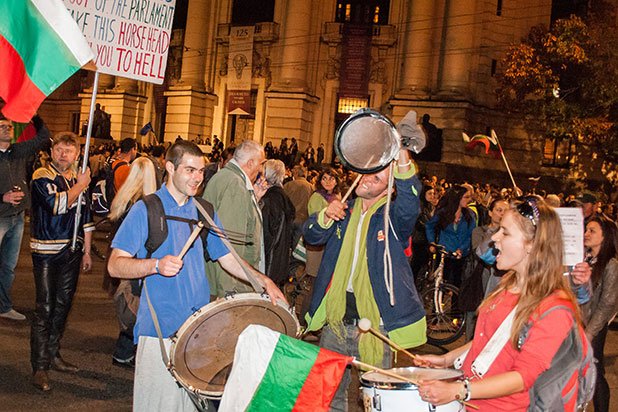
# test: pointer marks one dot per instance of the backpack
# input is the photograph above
(157, 223)
(104, 189)
(569, 382)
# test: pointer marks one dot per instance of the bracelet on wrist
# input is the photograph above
(405, 164)
(468, 394)
(157, 266)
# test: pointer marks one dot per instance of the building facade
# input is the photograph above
(310, 63)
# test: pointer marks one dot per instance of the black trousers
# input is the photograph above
(55, 280)
(601, 392)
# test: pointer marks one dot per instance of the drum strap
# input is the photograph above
(254, 282)
(155, 321)
(200, 404)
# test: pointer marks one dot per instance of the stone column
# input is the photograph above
(418, 48)
(106, 81)
(125, 85)
(196, 45)
(295, 40)
(457, 48)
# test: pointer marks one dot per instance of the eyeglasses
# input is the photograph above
(528, 209)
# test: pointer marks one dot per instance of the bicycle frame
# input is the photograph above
(438, 275)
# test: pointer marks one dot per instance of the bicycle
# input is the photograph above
(445, 322)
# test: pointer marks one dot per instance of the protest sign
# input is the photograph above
(130, 38)
(572, 222)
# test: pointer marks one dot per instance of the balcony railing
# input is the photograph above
(263, 32)
(383, 35)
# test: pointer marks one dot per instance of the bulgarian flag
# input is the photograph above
(273, 372)
(41, 46)
(489, 142)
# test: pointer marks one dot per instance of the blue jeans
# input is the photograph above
(11, 232)
(348, 346)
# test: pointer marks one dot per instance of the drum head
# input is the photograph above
(379, 380)
(367, 141)
(203, 349)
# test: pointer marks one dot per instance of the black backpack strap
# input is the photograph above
(157, 225)
(118, 165)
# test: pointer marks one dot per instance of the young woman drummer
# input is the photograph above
(530, 248)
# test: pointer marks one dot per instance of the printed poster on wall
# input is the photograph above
(239, 70)
(130, 38)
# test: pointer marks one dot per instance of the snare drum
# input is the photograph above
(202, 350)
(383, 393)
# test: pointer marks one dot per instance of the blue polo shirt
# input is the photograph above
(174, 298)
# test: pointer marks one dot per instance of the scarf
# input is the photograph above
(369, 347)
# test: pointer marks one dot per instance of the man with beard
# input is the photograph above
(351, 285)
(55, 191)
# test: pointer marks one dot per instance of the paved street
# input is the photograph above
(88, 342)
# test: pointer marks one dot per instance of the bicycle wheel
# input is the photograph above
(445, 325)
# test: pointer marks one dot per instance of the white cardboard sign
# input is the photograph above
(572, 221)
(130, 38)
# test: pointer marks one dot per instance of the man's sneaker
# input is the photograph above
(12, 315)
(124, 363)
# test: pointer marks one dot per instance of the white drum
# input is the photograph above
(382, 393)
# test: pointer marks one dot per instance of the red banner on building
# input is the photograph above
(355, 60)
(239, 101)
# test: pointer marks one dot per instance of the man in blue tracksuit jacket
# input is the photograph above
(351, 282)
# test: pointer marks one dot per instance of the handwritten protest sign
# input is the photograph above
(572, 222)
(130, 38)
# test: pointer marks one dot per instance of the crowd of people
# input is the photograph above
(284, 213)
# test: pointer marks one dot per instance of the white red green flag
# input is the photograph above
(273, 372)
(41, 46)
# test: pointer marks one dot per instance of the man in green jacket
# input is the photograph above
(231, 193)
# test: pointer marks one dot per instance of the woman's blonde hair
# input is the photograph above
(140, 182)
(544, 272)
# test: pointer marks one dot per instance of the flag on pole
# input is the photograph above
(41, 46)
(273, 372)
(147, 128)
(490, 143)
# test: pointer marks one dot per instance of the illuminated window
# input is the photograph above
(348, 105)
(557, 151)
(362, 11)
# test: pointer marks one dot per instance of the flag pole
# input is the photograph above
(508, 169)
(78, 211)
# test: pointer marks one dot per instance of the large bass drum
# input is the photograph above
(383, 393)
(202, 350)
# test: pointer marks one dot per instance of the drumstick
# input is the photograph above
(366, 366)
(191, 239)
(365, 326)
(349, 192)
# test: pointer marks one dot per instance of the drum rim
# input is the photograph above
(204, 310)
(399, 385)
(365, 112)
